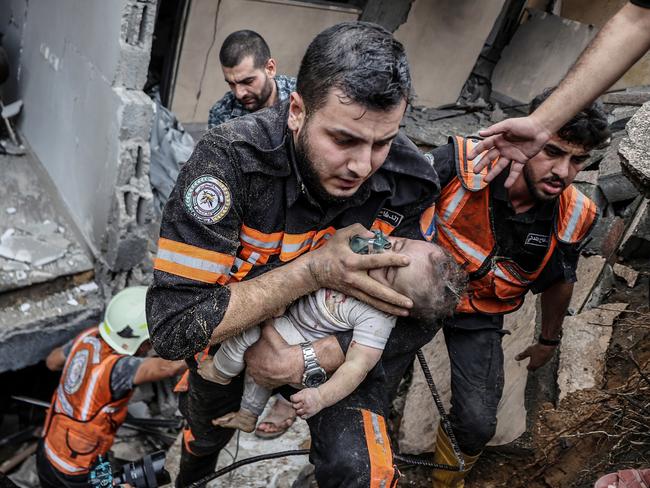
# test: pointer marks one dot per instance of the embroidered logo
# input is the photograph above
(389, 216)
(76, 372)
(538, 240)
(208, 199)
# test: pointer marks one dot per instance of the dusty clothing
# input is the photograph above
(239, 209)
(641, 3)
(230, 108)
(312, 317)
(85, 415)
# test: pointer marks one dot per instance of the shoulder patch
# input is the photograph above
(76, 372)
(208, 199)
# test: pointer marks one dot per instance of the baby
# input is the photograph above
(432, 280)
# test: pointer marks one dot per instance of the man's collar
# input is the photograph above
(541, 210)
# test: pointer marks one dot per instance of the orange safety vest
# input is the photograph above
(461, 223)
(83, 418)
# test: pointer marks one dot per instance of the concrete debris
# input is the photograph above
(10, 210)
(497, 114)
(613, 183)
(634, 150)
(589, 272)
(584, 343)
(539, 55)
(629, 275)
(620, 116)
(24, 308)
(636, 241)
(38, 248)
(637, 95)
(433, 128)
(606, 236)
(417, 431)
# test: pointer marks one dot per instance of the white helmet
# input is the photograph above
(125, 323)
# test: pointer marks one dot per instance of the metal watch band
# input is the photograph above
(309, 356)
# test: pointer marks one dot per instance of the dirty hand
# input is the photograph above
(307, 402)
(513, 140)
(206, 369)
(262, 360)
(539, 355)
(335, 266)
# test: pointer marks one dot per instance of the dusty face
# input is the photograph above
(554, 168)
(408, 278)
(251, 86)
(342, 143)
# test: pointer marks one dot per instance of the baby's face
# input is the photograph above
(406, 278)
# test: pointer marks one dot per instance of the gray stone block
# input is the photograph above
(136, 33)
(631, 96)
(636, 241)
(612, 181)
(634, 150)
(135, 114)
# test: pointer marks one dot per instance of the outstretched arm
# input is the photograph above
(618, 45)
(359, 360)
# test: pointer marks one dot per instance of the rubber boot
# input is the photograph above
(445, 455)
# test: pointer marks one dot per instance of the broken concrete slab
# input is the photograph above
(634, 150)
(627, 274)
(584, 343)
(30, 328)
(612, 181)
(636, 241)
(637, 95)
(432, 127)
(39, 241)
(417, 432)
(589, 272)
(620, 116)
(606, 236)
(539, 55)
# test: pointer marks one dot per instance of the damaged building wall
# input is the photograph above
(200, 81)
(84, 115)
(443, 39)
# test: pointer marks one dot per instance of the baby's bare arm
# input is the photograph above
(359, 360)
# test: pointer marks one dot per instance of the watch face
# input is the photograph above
(314, 378)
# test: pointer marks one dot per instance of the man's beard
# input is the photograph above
(537, 194)
(263, 97)
(309, 175)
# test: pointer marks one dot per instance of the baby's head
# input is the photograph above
(433, 279)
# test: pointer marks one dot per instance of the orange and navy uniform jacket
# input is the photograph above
(463, 222)
(83, 417)
(240, 208)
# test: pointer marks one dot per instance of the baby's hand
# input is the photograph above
(307, 402)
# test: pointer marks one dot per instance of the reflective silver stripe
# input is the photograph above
(476, 183)
(93, 341)
(464, 247)
(573, 220)
(287, 248)
(60, 462)
(63, 401)
(90, 391)
(375, 427)
(449, 211)
(191, 262)
(254, 242)
(500, 274)
(253, 257)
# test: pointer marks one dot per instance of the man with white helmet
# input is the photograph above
(101, 368)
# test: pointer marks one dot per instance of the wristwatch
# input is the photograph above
(314, 375)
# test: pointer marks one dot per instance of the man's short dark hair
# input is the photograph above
(588, 128)
(361, 59)
(244, 43)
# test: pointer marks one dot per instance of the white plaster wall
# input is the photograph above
(68, 54)
(443, 39)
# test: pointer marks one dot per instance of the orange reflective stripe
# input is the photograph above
(382, 470)
(187, 438)
(293, 245)
(259, 241)
(188, 272)
(184, 383)
(382, 226)
(193, 262)
(427, 223)
(471, 180)
(322, 236)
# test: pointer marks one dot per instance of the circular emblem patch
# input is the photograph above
(208, 199)
(76, 372)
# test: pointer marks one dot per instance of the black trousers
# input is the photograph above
(350, 444)
(476, 357)
(50, 477)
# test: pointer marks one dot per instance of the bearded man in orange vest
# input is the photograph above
(509, 240)
(101, 368)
